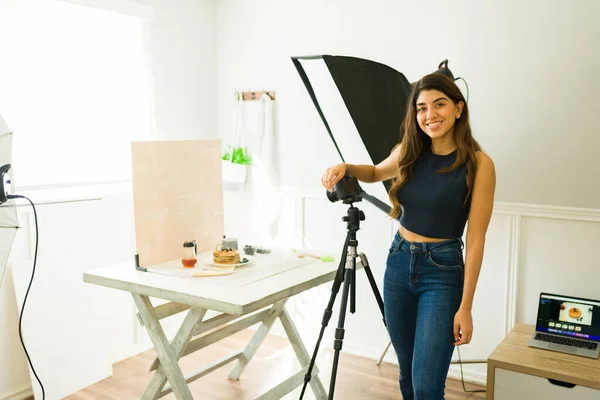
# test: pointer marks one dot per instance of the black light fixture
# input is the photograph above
(4, 183)
(8, 213)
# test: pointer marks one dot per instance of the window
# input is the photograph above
(75, 89)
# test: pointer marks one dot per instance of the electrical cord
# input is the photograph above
(462, 378)
(463, 79)
(29, 287)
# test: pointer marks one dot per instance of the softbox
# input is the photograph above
(8, 211)
(362, 104)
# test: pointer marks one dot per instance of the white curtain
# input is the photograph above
(263, 184)
(263, 180)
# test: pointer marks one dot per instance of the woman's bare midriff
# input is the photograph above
(414, 237)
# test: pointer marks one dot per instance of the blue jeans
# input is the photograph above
(422, 290)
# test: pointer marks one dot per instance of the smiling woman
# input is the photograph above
(75, 92)
(441, 179)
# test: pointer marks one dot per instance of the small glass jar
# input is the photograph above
(189, 258)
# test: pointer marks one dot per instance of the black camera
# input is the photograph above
(347, 190)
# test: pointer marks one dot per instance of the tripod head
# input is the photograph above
(353, 218)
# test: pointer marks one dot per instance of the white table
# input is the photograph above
(252, 294)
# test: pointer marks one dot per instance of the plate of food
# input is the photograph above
(578, 313)
(228, 258)
(575, 312)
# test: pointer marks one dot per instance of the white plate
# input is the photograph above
(210, 262)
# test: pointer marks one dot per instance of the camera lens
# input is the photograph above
(332, 196)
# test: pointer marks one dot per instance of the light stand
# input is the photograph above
(4, 183)
(346, 273)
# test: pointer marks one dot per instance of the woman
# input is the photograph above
(442, 178)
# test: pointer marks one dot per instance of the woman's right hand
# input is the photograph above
(332, 176)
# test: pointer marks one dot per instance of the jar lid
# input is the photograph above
(189, 244)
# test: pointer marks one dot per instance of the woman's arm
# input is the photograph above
(385, 170)
(482, 203)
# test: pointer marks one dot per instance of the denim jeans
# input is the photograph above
(422, 290)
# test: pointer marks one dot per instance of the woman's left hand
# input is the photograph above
(463, 327)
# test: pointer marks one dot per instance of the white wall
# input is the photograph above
(531, 67)
(183, 48)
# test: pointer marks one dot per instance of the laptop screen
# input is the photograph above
(569, 316)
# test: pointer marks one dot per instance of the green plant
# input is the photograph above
(239, 155)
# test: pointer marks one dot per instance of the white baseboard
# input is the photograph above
(131, 351)
(23, 393)
(369, 353)
(470, 375)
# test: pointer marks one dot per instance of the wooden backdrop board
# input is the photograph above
(177, 197)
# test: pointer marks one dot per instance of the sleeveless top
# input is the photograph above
(433, 202)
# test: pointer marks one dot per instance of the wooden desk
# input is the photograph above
(253, 294)
(516, 371)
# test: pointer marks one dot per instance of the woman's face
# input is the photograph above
(436, 113)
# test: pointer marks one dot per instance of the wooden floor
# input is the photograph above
(357, 378)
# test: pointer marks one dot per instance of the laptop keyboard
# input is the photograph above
(566, 341)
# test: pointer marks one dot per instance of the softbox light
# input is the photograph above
(362, 104)
(8, 211)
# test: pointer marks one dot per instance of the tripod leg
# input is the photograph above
(367, 268)
(339, 332)
(351, 264)
(365, 264)
(339, 277)
(353, 290)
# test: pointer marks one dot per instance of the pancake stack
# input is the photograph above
(226, 256)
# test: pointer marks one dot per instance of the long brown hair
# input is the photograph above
(415, 141)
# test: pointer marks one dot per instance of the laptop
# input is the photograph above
(568, 325)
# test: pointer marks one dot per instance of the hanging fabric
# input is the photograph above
(265, 168)
(236, 157)
(250, 158)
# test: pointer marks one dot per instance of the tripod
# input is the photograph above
(346, 273)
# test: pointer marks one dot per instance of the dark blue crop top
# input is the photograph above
(433, 202)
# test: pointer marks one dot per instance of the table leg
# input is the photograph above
(256, 340)
(491, 375)
(301, 353)
(164, 351)
(178, 345)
